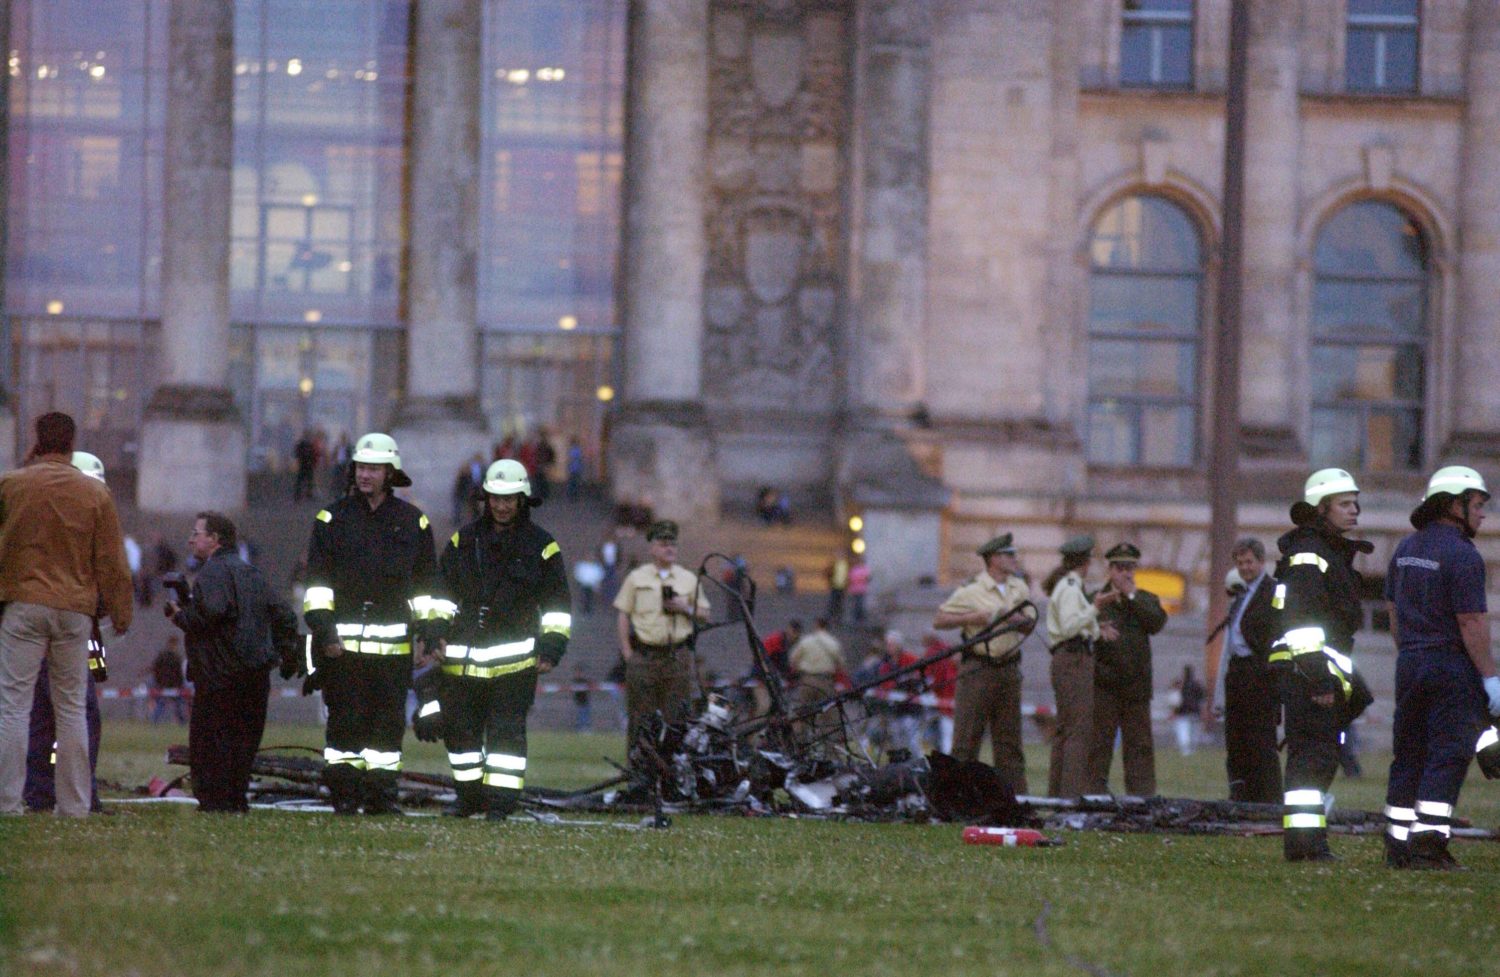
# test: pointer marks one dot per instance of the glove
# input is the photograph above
(1492, 691)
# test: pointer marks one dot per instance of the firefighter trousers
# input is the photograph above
(366, 700)
(1440, 712)
(485, 732)
(1312, 753)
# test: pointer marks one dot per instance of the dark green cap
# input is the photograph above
(1124, 553)
(1000, 544)
(664, 530)
(1077, 546)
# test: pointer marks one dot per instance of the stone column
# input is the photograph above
(7, 411)
(1273, 345)
(193, 440)
(438, 423)
(661, 447)
(1475, 410)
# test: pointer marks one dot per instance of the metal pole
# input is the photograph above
(1224, 448)
(5, 131)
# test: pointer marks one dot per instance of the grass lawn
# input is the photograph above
(160, 890)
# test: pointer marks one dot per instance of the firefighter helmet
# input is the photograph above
(1325, 482)
(1233, 582)
(380, 449)
(1487, 752)
(1455, 480)
(89, 464)
(507, 477)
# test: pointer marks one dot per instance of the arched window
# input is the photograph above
(1369, 339)
(1145, 299)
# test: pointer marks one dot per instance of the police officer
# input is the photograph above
(655, 627)
(370, 578)
(507, 577)
(988, 693)
(1446, 681)
(1122, 679)
(1316, 610)
(1073, 627)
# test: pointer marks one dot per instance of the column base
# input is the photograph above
(902, 508)
(192, 453)
(1273, 444)
(663, 454)
(437, 435)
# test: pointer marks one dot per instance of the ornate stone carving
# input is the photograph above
(778, 131)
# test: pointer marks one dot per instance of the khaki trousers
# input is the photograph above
(31, 635)
(1132, 717)
(1073, 688)
(988, 697)
(656, 680)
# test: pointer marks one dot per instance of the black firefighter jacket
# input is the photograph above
(1317, 586)
(511, 588)
(369, 571)
(1124, 665)
(228, 622)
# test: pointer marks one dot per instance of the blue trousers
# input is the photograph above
(1440, 712)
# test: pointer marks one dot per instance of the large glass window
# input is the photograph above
(1382, 47)
(1144, 330)
(1369, 339)
(1156, 43)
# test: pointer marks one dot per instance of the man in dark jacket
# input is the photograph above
(1122, 679)
(227, 623)
(513, 621)
(1252, 709)
(1316, 607)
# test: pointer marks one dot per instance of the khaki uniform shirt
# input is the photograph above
(817, 654)
(640, 597)
(1070, 613)
(983, 593)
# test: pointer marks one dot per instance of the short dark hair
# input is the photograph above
(1249, 545)
(55, 432)
(221, 526)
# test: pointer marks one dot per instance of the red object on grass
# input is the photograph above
(1008, 837)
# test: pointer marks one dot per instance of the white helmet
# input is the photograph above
(1325, 482)
(507, 477)
(1233, 581)
(1455, 480)
(380, 449)
(89, 464)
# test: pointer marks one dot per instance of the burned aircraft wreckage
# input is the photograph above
(810, 761)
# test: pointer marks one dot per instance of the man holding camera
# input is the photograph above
(655, 628)
(228, 621)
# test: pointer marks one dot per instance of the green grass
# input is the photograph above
(164, 891)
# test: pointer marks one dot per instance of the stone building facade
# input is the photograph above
(960, 259)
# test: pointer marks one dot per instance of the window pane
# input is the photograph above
(1370, 309)
(1141, 368)
(1381, 373)
(1166, 436)
(1134, 302)
(1336, 438)
(1394, 440)
(1112, 434)
(1371, 238)
(1146, 233)
(1381, 60)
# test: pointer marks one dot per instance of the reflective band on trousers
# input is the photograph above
(1400, 813)
(381, 759)
(504, 761)
(1487, 739)
(489, 671)
(331, 756)
(1308, 559)
(1303, 798)
(430, 708)
(1399, 832)
(490, 654)
(1441, 829)
(504, 780)
(380, 632)
(1304, 821)
(317, 599)
(1436, 809)
(467, 773)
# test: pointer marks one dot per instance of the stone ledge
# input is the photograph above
(186, 402)
(419, 411)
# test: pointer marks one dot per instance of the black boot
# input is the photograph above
(469, 802)
(342, 782)
(1307, 845)
(1397, 853)
(380, 792)
(1429, 853)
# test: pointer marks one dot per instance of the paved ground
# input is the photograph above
(279, 529)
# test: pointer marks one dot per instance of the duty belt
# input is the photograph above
(1075, 643)
(490, 661)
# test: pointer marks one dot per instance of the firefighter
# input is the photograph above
(1316, 610)
(1446, 684)
(370, 579)
(506, 575)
